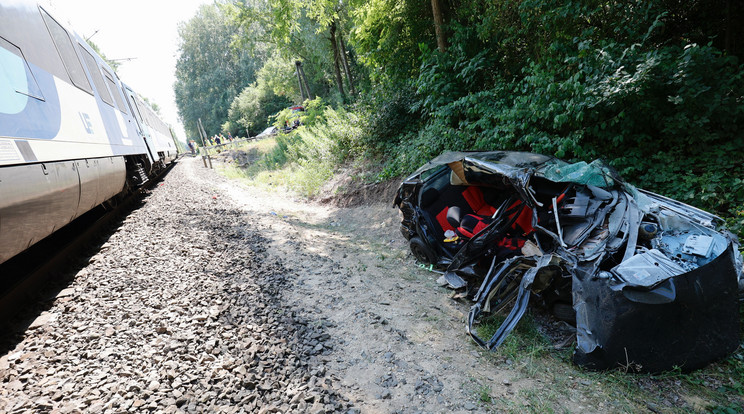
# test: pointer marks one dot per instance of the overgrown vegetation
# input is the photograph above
(653, 87)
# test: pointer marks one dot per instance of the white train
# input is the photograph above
(72, 135)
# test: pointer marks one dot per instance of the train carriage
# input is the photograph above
(72, 135)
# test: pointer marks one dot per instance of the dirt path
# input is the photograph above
(399, 339)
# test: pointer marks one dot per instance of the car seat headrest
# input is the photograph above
(454, 216)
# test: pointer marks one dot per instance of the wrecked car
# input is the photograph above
(650, 283)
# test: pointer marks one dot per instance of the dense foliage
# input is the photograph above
(250, 110)
(584, 80)
(210, 73)
(654, 87)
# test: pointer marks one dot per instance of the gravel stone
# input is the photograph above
(181, 310)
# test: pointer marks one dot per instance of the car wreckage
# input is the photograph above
(651, 284)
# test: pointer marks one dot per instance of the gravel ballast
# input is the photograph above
(182, 310)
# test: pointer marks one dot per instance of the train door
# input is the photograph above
(141, 129)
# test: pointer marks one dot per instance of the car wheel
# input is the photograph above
(422, 251)
(564, 312)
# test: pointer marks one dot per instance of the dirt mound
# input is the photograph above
(348, 190)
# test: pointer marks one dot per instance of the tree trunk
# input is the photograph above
(345, 61)
(728, 47)
(336, 68)
(304, 83)
(299, 79)
(438, 22)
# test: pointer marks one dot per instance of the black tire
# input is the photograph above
(422, 251)
(564, 312)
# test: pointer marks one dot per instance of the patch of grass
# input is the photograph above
(718, 387)
(307, 177)
(269, 180)
(232, 172)
(621, 388)
(722, 384)
(543, 400)
(304, 177)
(484, 394)
(258, 152)
(525, 341)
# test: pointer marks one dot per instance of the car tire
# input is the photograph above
(564, 312)
(422, 251)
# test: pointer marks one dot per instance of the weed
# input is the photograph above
(728, 409)
(539, 400)
(525, 341)
(484, 394)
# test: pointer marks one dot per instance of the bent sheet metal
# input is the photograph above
(650, 283)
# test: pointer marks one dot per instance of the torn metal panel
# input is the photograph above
(629, 262)
(687, 321)
(647, 269)
(519, 277)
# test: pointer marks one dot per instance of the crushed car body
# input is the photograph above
(650, 283)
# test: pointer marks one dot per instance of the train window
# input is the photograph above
(16, 79)
(95, 73)
(143, 111)
(133, 105)
(147, 115)
(114, 90)
(67, 53)
(149, 118)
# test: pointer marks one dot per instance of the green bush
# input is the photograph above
(390, 115)
(326, 136)
(664, 112)
(312, 152)
(313, 109)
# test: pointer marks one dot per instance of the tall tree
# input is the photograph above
(336, 58)
(345, 61)
(438, 23)
(209, 71)
(388, 35)
(296, 31)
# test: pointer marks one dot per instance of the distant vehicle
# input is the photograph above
(72, 135)
(293, 121)
(650, 283)
(268, 132)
